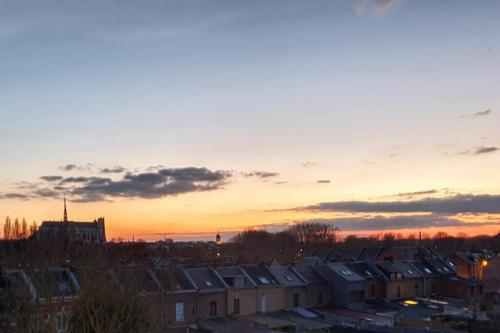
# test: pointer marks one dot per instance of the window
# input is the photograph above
(368, 273)
(263, 304)
(320, 298)
(295, 300)
(398, 291)
(416, 290)
(62, 322)
(179, 312)
(428, 271)
(213, 308)
(236, 306)
(373, 291)
(208, 283)
(410, 271)
(288, 278)
(264, 280)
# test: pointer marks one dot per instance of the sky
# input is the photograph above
(189, 117)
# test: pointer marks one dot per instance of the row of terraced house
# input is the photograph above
(186, 298)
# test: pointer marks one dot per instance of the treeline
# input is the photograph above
(14, 230)
(294, 242)
(306, 239)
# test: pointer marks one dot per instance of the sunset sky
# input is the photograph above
(190, 117)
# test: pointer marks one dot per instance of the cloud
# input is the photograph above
(323, 181)
(377, 223)
(115, 169)
(460, 203)
(485, 150)
(375, 7)
(309, 164)
(18, 196)
(477, 114)
(261, 174)
(161, 183)
(148, 185)
(416, 193)
(51, 178)
(74, 167)
(481, 150)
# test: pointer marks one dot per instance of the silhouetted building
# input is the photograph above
(71, 231)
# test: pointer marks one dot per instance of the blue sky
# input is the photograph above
(368, 91)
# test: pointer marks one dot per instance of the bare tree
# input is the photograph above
(24, 229)
(7, 229)
(16, 229)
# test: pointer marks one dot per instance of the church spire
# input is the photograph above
(65, 211)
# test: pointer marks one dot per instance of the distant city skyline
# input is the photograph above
(189, 117)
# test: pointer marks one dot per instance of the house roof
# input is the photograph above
(424, 268)
(287, 276)
(441, 265)
(260, 275)
(306, 269)
(19, 283)
(173, 280)
(364, 269)
(345, 272)
(139, 278)
(236, 272)
(369, 253)
(403, 267)
(55, 282)
(205, 278)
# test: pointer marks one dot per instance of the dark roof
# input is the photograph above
(260, 275)
(235, 272)
(424, 268)
(139, 278)
(173, 280)
(287, 276)
(306, 269)
(364, 269)
(441, 265)
(369, 253)
(61, 224)
(205, 278)
(403, 267)
(18, 283)
(56, 282)
(345, 272)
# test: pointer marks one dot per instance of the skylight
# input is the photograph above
(428, 271)
(410, 271)
(288, 278)
(369, 273)
(208, 283)
(263, 280)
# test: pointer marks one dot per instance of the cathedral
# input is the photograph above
(66, 231)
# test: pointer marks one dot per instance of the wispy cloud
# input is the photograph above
(482, 150)
(323, 181)
(115, 169)
(477, 114)
(375, 7)
(261, 174)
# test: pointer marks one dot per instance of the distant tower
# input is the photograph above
(218, 240)
(65, 211)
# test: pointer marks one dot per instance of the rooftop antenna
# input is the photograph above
(65, 211)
